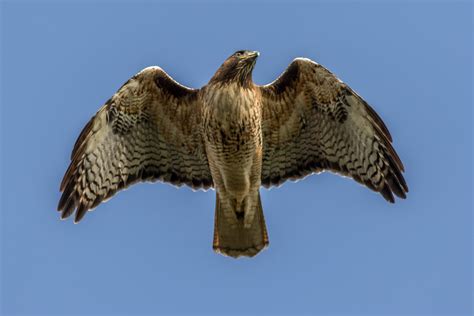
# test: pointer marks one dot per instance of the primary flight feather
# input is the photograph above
(234, 136)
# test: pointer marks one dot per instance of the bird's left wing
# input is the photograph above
(313, 122)
(148, 131)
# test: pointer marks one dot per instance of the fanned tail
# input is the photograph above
(232, 237)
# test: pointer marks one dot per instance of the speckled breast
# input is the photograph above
(232, 127)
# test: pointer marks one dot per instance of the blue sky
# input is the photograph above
(335, 247)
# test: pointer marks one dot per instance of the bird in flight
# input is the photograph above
(233, 136)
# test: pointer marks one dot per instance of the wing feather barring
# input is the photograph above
(233, 136)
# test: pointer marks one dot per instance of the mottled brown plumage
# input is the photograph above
(233, 136)
(314, 122)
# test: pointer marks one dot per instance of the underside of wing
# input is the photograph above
(314, 122)
(148, 131)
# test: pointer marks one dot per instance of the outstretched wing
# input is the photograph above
(148, 131)
(313, 122)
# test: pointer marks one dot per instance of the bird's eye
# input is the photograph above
(239, 53)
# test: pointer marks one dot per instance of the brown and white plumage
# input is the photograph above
(233, 136)
(313, 122)
(146, 132)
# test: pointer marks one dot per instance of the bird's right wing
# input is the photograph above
(148, 131)
(313, 122)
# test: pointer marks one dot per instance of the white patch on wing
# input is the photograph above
(149, 68)
(306, 59)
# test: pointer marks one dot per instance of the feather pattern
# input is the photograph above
(148, 131)
(312, 122)
(233, 136)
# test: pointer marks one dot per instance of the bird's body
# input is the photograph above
(234, 136)
(233, 139)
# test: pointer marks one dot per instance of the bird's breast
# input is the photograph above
(232, 118)
(232, 133)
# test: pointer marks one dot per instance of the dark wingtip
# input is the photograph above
(387, 193)
(68, 208)
(80, 213)
(396, 187)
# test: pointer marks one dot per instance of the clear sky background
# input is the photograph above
(335, 246)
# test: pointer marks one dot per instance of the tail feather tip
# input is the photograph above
(238, 253)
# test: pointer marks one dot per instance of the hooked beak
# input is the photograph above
(251, 58)
(253, 54)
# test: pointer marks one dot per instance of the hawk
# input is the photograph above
(233, 136)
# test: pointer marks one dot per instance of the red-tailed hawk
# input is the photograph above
(234, 136)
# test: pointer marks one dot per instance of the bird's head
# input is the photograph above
(237, 68)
